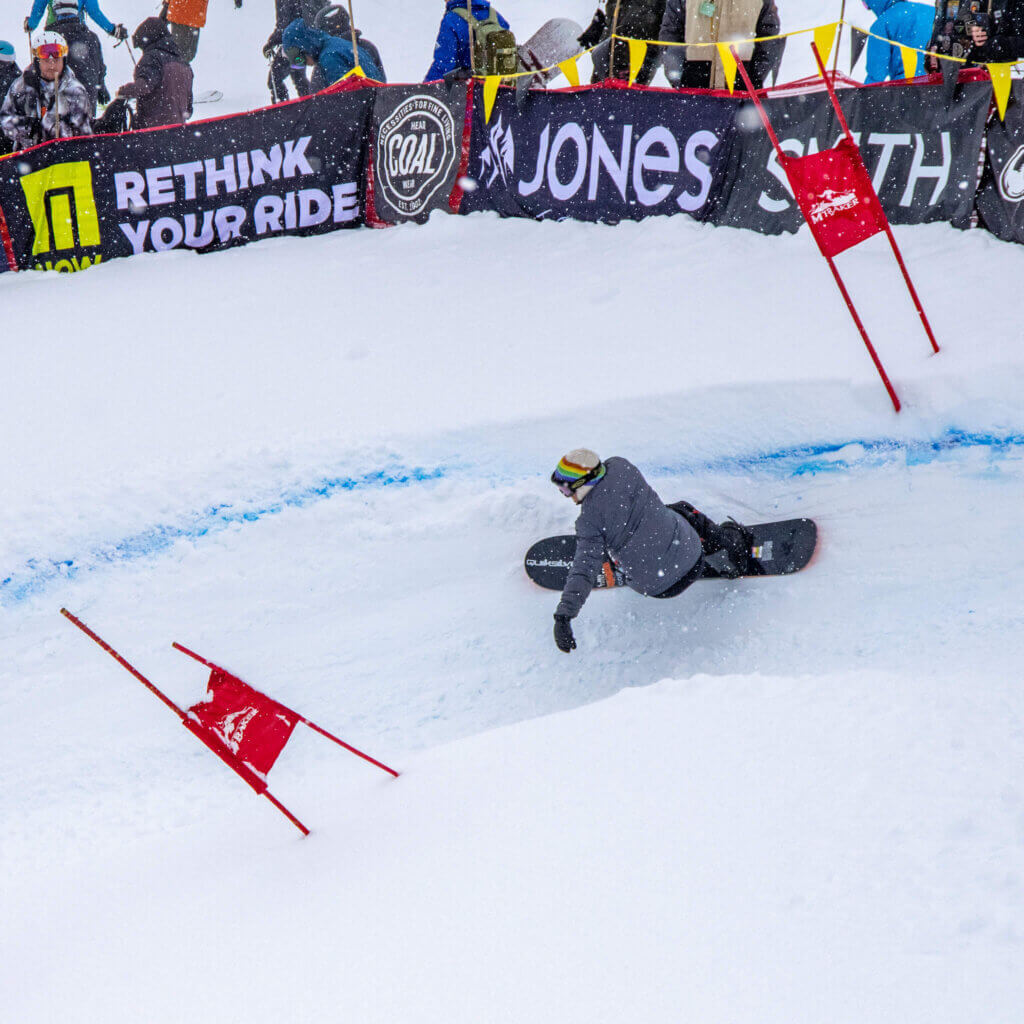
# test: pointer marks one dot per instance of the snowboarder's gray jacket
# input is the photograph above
(654, 546)
(36, 110)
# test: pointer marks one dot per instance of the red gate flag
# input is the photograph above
(835, 195)
(251, 725)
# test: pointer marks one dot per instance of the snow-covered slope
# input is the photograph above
(787, 800)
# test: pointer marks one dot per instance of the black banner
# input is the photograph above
(296, 169)
(1001, 196)
(600, 154)
(922, 155)
(417, 149)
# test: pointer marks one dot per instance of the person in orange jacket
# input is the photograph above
(184, 20)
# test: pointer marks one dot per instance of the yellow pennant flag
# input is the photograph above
(491, 83)
(728, 64)
(356, 72)
(824, 38)
(637, 53)
(1000, 74)
(571, 72)
(909, 61)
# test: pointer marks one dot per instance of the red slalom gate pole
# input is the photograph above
(305, 721)
(888, 228)
(752, 92)
(250, 778)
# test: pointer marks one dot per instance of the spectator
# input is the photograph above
(285, 12)
(162, 87)
(907, 23)
(184, 19)
(46, 101)
(9, 70)
(994, 35)
(451, 50)
(700, 67)
(332, 57)
(85, 55)
(90, 8)
(637, 19)
(334, 20)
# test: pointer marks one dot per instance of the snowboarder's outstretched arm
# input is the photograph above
(585, 567)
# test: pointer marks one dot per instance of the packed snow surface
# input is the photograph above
(318, 462)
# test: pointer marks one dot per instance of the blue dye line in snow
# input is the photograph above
(799, 460)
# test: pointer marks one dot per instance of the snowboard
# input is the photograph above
(780, 548)
(555, 41)
(209, 96)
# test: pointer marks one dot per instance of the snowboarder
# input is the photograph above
(451, 49)
(700, 67)
(86, 8)
(85, 54)
(162, 87)
(903, 22)
(47, 101)
(330, 56)
(659, 548)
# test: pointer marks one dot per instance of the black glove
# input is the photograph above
(120, 33)
(102, 95)
(564, 639)
(592, 36)
(268, 50)
(27, 29)
(238, 3)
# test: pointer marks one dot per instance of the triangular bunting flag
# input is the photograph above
(356, 72)
(571, 72)
(824, 38)
(637, 55)
(857, 42)
(909, 57)
(1000, 85)
(491, 83)
(728, 64)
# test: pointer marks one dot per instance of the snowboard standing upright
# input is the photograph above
(780, 548)
(554, 42)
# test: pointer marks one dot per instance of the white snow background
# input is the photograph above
(319, 461)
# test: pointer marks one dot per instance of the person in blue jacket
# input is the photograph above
(902, 22)
(332, 55)
(90, 8)
(451, 51)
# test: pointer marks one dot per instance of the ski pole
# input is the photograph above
(352, 30)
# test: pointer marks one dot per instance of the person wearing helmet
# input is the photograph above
(331, 57)
(85, 54)
(90, 8)
(658, 548)
(47, 101)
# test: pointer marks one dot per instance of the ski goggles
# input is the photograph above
(295, 56)
(570, 487)
(51, 51)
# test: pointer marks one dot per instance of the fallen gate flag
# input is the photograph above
(251, 725)
(835, 194)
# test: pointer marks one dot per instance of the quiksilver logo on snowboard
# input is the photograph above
(1011, 179)
(415, 153)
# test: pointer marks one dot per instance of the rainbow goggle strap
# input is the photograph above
(569, 478)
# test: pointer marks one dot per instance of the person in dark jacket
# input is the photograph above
(331, 56)
(285, 12)
(162, 87)
(451, 49)
(637, 19)
(9, 70)
(989, 32)
(659, 548)
(85, 54)
(700, 67)
(46, 101)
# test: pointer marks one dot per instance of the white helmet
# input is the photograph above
(49, 39)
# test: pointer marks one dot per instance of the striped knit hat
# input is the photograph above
(577, 472)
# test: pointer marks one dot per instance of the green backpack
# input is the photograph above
(494, 47)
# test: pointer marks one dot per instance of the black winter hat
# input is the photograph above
(149, 32)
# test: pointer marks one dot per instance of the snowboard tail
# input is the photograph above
(780, 548)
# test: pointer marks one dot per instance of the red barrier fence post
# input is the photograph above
(208, 740)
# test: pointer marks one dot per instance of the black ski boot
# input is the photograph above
(738, 542)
